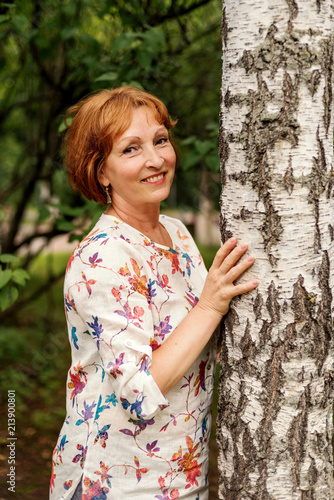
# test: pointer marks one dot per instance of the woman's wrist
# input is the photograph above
(210, 312)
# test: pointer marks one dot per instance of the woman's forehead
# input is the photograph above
(141, 119)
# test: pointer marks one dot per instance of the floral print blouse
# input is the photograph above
(124, 295)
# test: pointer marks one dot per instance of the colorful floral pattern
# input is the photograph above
(122, 438)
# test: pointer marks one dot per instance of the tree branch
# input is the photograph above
(46, 234)
(182, 11)
(209, 30)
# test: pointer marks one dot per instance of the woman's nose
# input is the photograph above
(153, 158)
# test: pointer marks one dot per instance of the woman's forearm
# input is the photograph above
(176, 355)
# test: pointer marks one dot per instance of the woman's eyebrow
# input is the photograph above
(159, 130)
(129, 138)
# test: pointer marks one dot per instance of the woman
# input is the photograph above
(141, 310)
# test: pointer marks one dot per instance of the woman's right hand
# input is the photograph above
(219, 288)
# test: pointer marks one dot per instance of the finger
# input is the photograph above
(233, 257)
(242, 288)
(236, 271)
(223, 252)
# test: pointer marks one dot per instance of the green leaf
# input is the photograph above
(9, 258)
(5, 277)
(65, 225)
(191, 159)
(75, 237)
(189, 140)
(133, 83)
(213, 127)
(203, 147)
(22, 25)
(20, 276)
(7, 297)
(107, 77)
(144, 59)
(64, 125)
(68, 32)
(43, 213)
(69, 8)
(71, 211)
(155, 40)
(124, 41)
(212, 162)
(89, 41)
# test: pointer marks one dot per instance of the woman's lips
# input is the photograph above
(155, 179)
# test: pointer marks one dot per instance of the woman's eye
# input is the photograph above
(162, 140)
(128, 150)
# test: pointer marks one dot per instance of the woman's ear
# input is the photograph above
(102, 178)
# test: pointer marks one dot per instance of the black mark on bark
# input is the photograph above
(314, 81)
(324, 317)
(257, 307)
(327, 67)
(224, 29)
(247, 61)
(288, 179)
(297, 435)
(318, 183)
(273, 304)
(302, 303)
(248, 348)
(293, 8)
(318, 2)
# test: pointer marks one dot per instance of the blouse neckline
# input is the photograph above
(153, 243)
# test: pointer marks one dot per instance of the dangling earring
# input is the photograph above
(108, 195)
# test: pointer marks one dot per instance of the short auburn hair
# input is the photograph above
(96, 121)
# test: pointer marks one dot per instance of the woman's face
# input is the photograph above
(140, 167)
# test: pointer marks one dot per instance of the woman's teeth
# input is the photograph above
(154, 178)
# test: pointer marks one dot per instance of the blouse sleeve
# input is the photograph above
(107, 292)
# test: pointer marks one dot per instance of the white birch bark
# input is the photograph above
(275, 422)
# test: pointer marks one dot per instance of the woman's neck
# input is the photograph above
(146, 221)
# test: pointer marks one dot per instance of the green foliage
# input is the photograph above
(53, 54)
(35, 350)
(11, 279)
(201, 151)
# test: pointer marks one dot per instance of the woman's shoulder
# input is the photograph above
(108, 241)
(178, 231)
(174, 224)
(107, 229)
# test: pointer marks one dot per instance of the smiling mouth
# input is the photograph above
(155, 178)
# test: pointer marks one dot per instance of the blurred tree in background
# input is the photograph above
(53, 53)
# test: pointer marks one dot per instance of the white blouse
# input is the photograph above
(124, 295)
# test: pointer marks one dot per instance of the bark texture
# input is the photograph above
(275, 421)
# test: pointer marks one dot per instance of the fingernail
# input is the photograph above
(255, 282)
(250, 258)
(243, 246)
(232, 240)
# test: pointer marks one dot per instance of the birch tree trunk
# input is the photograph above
(275, 422)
